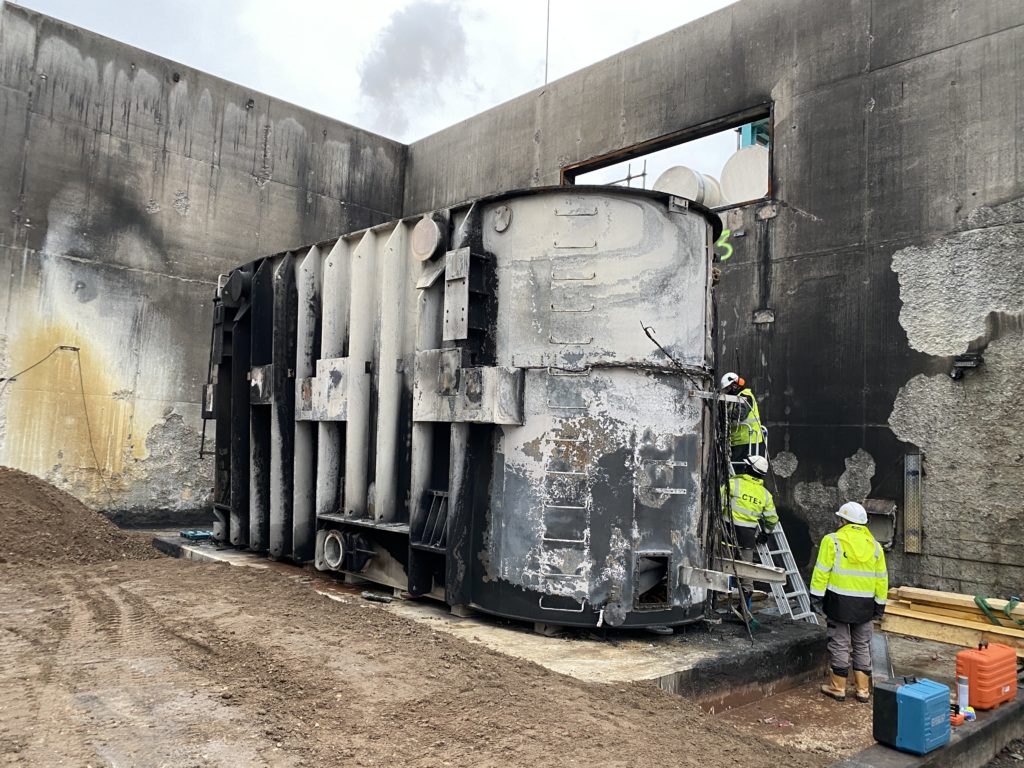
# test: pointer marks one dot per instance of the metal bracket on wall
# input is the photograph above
(456, 295)
(913, 517)
(445, 391)
(323, 397)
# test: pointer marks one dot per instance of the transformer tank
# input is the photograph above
(466, 405)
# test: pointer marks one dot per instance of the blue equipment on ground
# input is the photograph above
(197, 535)
(911, 715)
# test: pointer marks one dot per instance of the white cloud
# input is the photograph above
(309, 52)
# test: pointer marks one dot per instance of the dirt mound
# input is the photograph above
(43, 525)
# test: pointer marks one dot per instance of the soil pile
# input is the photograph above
(43, 525)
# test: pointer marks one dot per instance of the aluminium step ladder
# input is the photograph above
(791, 597)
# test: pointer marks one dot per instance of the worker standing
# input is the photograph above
(849, 586)
(746, 437)
(753, 512)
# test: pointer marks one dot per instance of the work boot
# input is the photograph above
(836, 689)
(863, 682)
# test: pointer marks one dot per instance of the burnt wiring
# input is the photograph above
(722, 541)
(85, 406)
(688, 371)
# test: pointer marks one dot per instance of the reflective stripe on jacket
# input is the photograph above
(850, 574)
(748, 430)
(751, 502)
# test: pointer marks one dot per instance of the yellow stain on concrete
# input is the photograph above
(47, 427)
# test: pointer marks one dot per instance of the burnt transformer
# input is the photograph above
(468, 405)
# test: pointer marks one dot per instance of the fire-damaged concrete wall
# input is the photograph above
(127, 183)
(893, 241)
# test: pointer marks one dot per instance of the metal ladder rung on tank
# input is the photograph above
(793, 590)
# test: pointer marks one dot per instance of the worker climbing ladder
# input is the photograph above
(791, 596)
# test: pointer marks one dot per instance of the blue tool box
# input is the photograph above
(911, 715)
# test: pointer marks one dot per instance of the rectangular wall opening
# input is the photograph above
(721, 164)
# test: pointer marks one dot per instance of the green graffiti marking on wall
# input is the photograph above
(723, 242)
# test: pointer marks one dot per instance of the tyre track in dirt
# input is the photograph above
(172, 663)
(118, 695)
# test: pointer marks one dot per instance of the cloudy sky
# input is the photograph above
(403, 68)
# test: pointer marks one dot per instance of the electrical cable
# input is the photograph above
(8, 379)
(88, 426)
(687, 371)
(85, 408)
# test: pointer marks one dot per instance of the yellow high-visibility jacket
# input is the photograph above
(751, 503)
(850, 575)
(748, 430)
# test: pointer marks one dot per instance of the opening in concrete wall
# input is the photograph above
(718, 167)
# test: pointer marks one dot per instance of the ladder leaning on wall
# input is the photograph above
(791, 596)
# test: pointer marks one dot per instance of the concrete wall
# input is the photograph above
(896, 242)
(127, 184)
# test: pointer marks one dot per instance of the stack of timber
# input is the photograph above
(948, 617)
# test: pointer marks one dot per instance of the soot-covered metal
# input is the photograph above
(466, 405)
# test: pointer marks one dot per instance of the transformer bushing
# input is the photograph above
(466, 405)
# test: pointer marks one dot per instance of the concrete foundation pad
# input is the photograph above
(717, 664)
(972, 745)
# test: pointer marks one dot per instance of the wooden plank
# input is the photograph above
(956, 613)
(944, 633)
(899, 610)
(951, 599)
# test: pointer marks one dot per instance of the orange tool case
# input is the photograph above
(991, 671)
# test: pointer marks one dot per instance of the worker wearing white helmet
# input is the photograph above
(849, 585)
(753, 511)
(746, 437)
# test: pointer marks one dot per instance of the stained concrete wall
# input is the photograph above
(895, 241)
(127, 184)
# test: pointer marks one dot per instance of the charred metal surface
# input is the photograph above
(887, 249)
(282, 413)
(513, 440)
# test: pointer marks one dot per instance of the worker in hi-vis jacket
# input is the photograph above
(849, 585)
(746, 438)
(753, 512)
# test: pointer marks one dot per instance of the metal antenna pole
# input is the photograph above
(547, 43)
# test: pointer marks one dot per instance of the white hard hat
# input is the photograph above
(729, 379)
(853, 512)
(757, 463)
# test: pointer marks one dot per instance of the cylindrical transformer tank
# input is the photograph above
(501, 405)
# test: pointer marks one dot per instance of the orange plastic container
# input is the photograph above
(991, 672)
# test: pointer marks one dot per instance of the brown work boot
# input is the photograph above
(863, 682)
(836, 689)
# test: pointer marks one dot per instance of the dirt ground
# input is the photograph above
(1011, 756)
(110, 656)
(173, 663)
(801, 718)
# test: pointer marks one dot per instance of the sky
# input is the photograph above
(402, 68)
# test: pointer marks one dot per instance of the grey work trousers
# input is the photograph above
(846, 640)
(747, 556)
